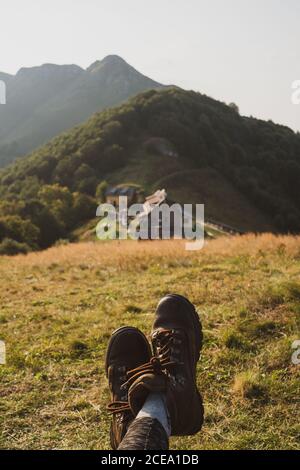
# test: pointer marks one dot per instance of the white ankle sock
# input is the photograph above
(155, 407)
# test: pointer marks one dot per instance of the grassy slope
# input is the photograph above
(223, 202)
(59, 307)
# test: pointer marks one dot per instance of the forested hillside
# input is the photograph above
(47, 194)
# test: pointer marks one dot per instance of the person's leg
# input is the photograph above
(145, 434)
(151, 428)
(155, 407)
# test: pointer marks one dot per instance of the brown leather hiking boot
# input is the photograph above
(177, 341)
(127, 349)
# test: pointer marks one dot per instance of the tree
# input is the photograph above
(84, 208)
(15, 228)
(41, 216)
(101, 191)
(234, 107)
(59, 201)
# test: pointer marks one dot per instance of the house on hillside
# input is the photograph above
(153, 217)
(134, 194)
(152, 221)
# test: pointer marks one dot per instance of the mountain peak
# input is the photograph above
(48, 99)
(113, 59)
(109, 60)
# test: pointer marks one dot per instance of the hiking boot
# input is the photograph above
(177, 341)
(127, 349)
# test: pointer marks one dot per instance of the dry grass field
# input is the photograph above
(59, 307)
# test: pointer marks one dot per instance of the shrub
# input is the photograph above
(12, 247)
(15, 228)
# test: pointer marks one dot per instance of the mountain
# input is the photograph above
(5, 76)
(246, 171)
(44, 101)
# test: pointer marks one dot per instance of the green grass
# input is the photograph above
(59, 307)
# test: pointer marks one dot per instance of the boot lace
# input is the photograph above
(168, 357)
(120, 406)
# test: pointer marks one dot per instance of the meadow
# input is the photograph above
(58, 308)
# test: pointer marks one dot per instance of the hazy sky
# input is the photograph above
(246, 51)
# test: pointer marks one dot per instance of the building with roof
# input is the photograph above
(134, 194)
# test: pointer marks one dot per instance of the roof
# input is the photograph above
(126, 191)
